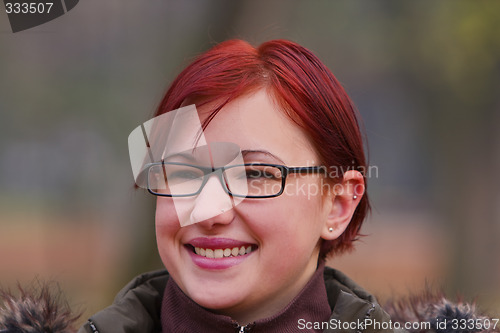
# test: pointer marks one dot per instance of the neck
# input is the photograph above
(181, 314)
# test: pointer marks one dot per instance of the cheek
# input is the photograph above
(168, 232)
(287, 222)
(166, 221)
(306, 220)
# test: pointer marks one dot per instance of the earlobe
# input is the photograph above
(344, 197)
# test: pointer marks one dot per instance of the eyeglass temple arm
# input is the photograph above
(319, 168)
(148, 145)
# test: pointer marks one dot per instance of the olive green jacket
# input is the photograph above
(137, 307)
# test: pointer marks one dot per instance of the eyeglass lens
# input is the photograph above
(240, 180)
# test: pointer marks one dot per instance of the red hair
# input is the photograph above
(304, 88)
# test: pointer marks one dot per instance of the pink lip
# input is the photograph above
(219, 263)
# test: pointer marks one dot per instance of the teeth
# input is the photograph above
(222, 253)
(218, 253)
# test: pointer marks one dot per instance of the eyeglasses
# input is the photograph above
(253, 180)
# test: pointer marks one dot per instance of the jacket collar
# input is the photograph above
(137, 306)
(180, 314)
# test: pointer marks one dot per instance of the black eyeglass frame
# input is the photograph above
(285, 171)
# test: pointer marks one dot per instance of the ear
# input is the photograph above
(343, 200)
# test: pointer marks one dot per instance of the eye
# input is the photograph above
(253, 173)
(175, 173)
(186, 174)
(263, 172)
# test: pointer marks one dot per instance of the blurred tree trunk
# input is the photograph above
(467, 191)
(466, 56)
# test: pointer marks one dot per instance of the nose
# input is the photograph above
(213, 205)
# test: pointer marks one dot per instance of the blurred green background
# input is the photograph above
(425, 76)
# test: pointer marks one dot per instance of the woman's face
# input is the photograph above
(282, 232)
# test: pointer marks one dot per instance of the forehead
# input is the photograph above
(255, 122)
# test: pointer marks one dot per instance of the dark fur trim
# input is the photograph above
(433, 307)
(40, 308)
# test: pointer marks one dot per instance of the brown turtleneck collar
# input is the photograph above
(180, 314)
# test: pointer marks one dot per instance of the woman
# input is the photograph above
(258, 177)
(258, 174)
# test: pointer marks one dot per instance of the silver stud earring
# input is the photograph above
(330, 229)
(355, 197)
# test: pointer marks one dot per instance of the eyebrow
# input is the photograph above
(186, 156)
(247, 152)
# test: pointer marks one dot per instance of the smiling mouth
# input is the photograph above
(222, 253)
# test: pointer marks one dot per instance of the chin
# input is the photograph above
(216, 300)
